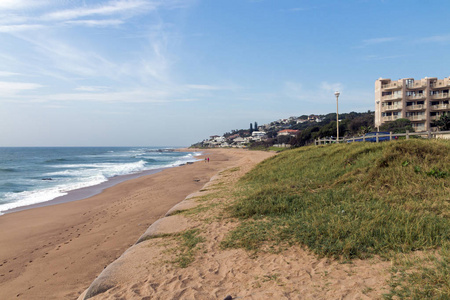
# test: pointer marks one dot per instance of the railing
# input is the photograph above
(419, 96)
(418, 127)
(439, 84)
(417, 106)
(417, 117)
(416, 85)
(393, 85)
(384, 137)
(440, 96)
(391, 97)
(391, 118)
(440, 106)
(392, 107)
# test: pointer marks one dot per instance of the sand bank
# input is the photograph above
(151, 269)
(55, 252)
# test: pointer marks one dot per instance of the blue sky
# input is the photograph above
(173, 72)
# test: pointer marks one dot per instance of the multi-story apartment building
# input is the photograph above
(420, 101)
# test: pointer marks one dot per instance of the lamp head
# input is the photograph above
(337, 94)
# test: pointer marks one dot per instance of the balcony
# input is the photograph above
(416, 97)
(392, 86)
(391, 107)
(416, 85)
(418, 127)
(440, 84)
(416, 107)
(417, 118)
(391, 97)
(390, 118)
(440, 96)
(440, 106)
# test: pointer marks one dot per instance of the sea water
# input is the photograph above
(35, 175)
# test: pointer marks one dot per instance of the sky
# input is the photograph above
(174, 72)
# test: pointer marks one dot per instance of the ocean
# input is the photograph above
(36, 175)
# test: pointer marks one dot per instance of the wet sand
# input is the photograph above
(55, 252)
(151, 268)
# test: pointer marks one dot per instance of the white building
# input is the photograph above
(258, 135)
(421, 101)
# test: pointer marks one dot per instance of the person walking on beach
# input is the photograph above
(208, 159)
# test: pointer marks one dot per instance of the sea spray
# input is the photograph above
(35, 175)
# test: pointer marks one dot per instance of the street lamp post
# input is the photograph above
(378, 115)
(337, 115)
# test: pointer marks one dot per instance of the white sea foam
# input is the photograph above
(75, 176)
(15, 200)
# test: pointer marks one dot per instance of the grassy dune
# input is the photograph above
(355, 201)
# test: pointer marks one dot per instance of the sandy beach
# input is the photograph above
(151, 269)
(87, 249)
(55, 252)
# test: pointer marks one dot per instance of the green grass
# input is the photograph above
(187, 247)
(421, 278)
(348, 200)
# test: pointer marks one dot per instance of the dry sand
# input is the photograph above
(148, 270)
(55, 252)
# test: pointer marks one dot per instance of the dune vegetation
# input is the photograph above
(355, 201)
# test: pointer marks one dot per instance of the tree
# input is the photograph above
(360, 125)
(443, 123)
(397, 126)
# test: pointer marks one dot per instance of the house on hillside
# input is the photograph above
(232, 137)
(288, 132)
(240, 142)
(314, 118)
(258, 135)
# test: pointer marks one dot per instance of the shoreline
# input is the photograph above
(56, 251)
(90, 191)
(85, 192)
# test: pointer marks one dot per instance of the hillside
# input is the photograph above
(355, 201)
(308, 128)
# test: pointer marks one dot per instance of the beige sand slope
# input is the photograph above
(148, 270)
(55, 252)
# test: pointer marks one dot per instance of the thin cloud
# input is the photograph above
(146, 71)
(92, 88)
(381, 57)
(136, 96)
(20, 27)
(96, 23)
(110, 8)
(377, 41)
(7, 87)
(331, 87)
(321, 93)
(8, 74)
(206, 87)
(11, 5)
(436, 39)
(298, 9)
